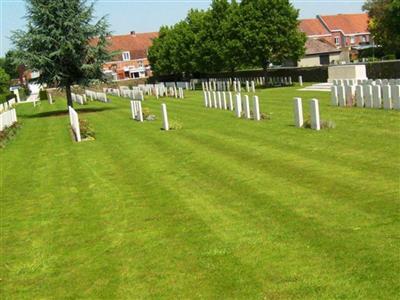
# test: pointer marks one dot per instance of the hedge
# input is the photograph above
(375, 70)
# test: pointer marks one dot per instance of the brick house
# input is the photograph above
(344, 33)
(132, 60)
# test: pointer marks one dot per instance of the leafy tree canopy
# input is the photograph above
(229, 36)
(385, 24)
(63, 42)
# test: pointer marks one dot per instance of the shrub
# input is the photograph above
(145, 112)
(43, 95)
(328, 124)
(87, 131)
(175, 125)
(8, 134)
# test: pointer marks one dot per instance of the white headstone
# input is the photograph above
(238, 106)
(367, 90)
(256, 109)
(341, 95)
(230, 101)
(395, 93)
(301, 80)
(247, 107)
(387, 99)
(165, 116)
(205, 98)
(360, 96)
(334, 96)
(253, 86)
(298, 112)
(376, 96)
(224, 105)
(314, 111)
(219, 100)
(215, 99)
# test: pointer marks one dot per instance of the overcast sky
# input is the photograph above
(149, 15)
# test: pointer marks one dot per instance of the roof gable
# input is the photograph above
(348, 23)
(137, 44)
(313, 27)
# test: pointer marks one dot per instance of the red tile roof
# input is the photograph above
(313, 27)
(137, 44)
(348, 23)
(316, 46)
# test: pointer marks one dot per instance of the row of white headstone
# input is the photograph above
(370, 96)
(7, 118)
(112, 91)
(81, 99)
(133, 94)
(102, 97)
(7, 105)
(221, 101)
(74, 122)
(226, 86)
(136, 109)
(314, 114)
(346, 82)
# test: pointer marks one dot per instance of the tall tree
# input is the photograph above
(385, 24)
(63, 43)
(270, 32)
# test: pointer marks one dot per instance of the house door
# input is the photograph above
(324, 59)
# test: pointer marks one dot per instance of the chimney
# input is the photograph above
(133, 33)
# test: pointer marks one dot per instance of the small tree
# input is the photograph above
(270, 32)
(385, 24)
(62, 43)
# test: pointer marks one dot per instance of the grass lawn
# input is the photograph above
(224, 208)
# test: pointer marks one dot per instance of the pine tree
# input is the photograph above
(63, 43)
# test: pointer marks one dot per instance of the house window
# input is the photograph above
(336, 41)
(126, 56)
(140, 63)
(352, 40)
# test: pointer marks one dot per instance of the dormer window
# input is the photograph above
(336, 41)
(352, 40)
(126, 56)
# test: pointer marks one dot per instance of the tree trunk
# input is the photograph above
(69, 97)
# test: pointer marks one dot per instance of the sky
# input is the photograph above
(148, 15)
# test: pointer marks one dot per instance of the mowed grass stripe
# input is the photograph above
(194, 210)
(172, 204)
(318, 233)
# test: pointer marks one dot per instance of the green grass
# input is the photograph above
(224, 208)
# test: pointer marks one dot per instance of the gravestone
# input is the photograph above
(298, 112)
(368, 96)
(395, 94)
(230, 101)
(224, 106)
(386, 97)
(376, 96)
(219, 100)
(359, 96)
(334, 96)
(205, 99)
(238, 106)
(342, 95)
(349, 89)
(247, 107)
(301, 80)
(165, 116)
(314, 111)
(256, 108)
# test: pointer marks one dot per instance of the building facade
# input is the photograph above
(131, 61)
(343, 35)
